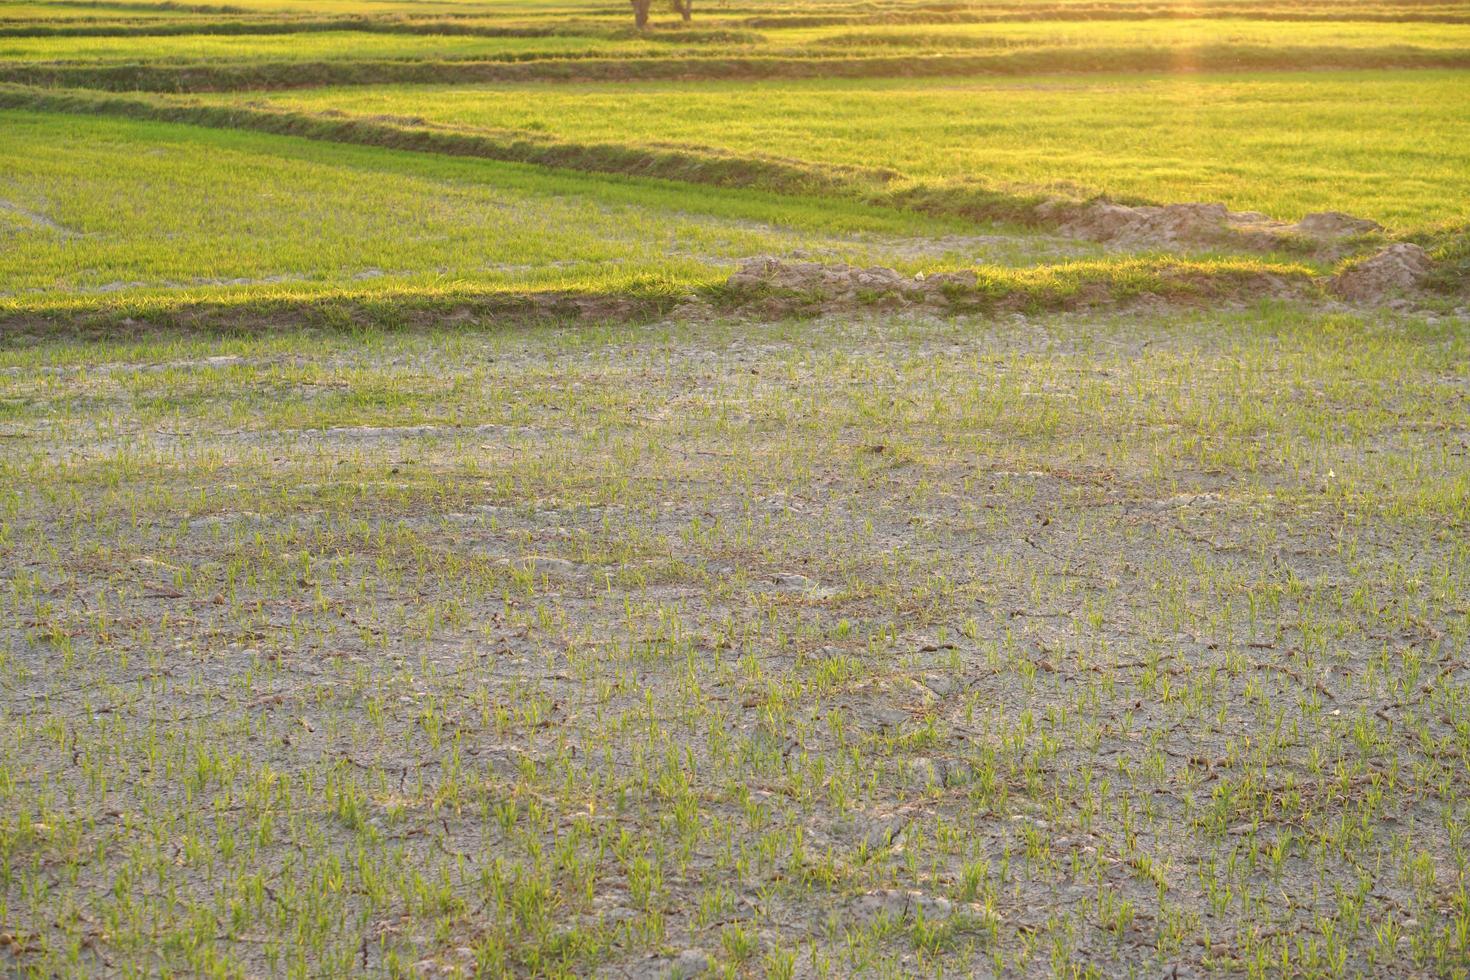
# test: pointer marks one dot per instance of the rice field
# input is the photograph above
(300, 216)
(850, 489)
(1392, 146)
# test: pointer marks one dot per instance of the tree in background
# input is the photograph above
(684, 8)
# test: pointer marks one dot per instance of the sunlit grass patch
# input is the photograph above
(133, 207)
(1381, 145)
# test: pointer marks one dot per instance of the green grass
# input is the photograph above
(1182, 33)
(298, 219)
(313, 46)
(1391, 146)
(705, 64)
(347, 44)
(98, 208)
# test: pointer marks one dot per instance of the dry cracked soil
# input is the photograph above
(873, 644)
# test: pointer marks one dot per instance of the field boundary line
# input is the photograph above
(1146, 282)
(276, 75)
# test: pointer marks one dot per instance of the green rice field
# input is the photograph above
(1274, 142)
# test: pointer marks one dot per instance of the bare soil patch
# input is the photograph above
(1398, 269)
(864, 645)
(1208, 225)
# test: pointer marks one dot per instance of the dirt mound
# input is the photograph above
(1179, 225)
(775, 287)
(1329, 225)
(1398, 268)
(770, 287)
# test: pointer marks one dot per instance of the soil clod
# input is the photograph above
(1196, 225)
(1397, 269)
